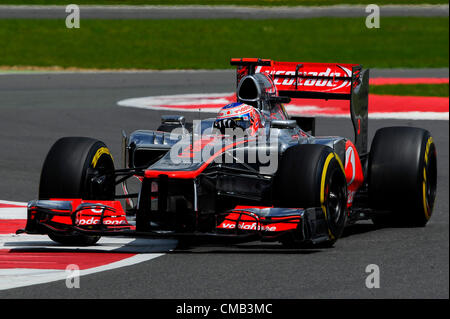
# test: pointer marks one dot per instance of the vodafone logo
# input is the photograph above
(96, 221)
(248, 226)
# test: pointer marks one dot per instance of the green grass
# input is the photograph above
(209, 44)
(441, 90)
(224, 2)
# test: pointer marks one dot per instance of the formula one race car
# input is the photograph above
(251, 173)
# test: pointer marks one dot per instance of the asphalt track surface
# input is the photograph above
(37, 109)
(218, 12)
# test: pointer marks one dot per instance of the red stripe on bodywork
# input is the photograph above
(194, 173)
(353, 171)
(247, 207)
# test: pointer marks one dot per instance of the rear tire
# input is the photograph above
(402, 176)
(311, 175)
(67, 173)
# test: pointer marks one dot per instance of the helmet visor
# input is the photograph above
(234, 123)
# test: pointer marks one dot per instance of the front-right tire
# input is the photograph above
(402, 176)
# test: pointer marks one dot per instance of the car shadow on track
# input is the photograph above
(267, 248)
(105, 245)
(357, 229)
(261, 249)
(171, 247)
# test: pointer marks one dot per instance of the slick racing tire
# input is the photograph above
(402, 176)
(312, 175)
(67, 172)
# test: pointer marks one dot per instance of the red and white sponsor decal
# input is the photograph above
(235, 111)
(250, 221)
(331, 73)
(353, 171)
(89, 216)
(247, 226)
(380, 106)
(396, 81)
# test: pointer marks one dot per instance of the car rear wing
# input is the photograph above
(329, 81)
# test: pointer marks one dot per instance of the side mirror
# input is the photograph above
(307, 124)
(173, 119)
(283, 124)
(280, 99)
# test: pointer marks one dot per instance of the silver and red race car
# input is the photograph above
(251, 173)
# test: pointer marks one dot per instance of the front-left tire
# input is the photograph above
(68, 172)
(312, 175)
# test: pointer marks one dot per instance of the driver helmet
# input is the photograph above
(239, 115)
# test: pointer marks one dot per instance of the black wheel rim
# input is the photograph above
(100, 181)
(431, 180)
(335, 198)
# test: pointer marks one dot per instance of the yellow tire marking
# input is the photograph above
(322, 189)
(100, 152)
(425, 206)
(424, 183)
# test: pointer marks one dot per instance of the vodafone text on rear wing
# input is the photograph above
(329, 81)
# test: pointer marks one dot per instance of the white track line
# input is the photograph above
(19, 277)
(13, 203)
(145, 250)
(13, 212)
(164, 102)
(230, 11)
